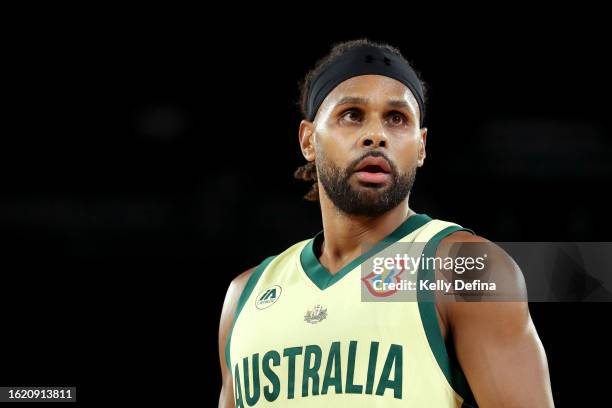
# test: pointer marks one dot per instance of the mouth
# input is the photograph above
(373, 170)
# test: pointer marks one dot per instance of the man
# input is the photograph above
(294, 330)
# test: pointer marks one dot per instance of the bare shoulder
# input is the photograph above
(464, 236)
(507, 302)
(228, 311)
(230, 303)
(499, 267)
(235, 289)
(238, 283)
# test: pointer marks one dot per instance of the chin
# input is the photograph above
(377, 187)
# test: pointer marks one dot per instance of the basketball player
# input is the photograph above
(294, 331)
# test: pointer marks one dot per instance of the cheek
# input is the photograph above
(407, 153)
(332, 149)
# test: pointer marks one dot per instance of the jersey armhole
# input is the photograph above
(446, 357)
(244, 296)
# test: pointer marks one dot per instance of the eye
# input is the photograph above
(351, 116)
(397, 118)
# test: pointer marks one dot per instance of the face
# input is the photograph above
(366, 143)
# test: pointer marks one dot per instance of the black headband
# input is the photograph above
(363, 60)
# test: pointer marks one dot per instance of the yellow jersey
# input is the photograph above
(303, 337)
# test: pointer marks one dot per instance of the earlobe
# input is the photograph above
(306, 140)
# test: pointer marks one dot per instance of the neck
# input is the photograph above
(346, 235)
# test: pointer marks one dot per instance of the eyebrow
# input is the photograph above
(352, 100)
(355, 100)
(398, 103)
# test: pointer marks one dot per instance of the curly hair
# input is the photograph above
(308, 172)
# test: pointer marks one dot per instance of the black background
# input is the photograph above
(149, 161)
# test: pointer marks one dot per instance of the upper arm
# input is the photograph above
(226, 399)
(497, 345)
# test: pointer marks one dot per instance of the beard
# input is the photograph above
(369, 200)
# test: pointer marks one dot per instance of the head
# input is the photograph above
(365, 142)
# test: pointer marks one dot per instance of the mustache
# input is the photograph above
(374, 153)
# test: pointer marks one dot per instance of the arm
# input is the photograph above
(226, 398)
(497, 344)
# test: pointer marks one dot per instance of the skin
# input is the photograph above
(496, 342)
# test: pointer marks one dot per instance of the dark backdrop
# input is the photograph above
(149, 164)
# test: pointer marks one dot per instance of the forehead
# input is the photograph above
(376, 88)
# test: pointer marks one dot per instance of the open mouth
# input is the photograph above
(373, 170)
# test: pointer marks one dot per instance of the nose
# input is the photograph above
(374, 136)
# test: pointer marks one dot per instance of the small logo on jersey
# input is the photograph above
(375, 282)
(267, 298)
(315, 315)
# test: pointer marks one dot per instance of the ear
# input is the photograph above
(422, 143)
(307, 140)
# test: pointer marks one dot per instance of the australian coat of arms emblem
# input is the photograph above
(315, 315)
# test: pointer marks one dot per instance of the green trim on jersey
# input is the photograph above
(322, 278)
(246, 292)
(427, 308)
